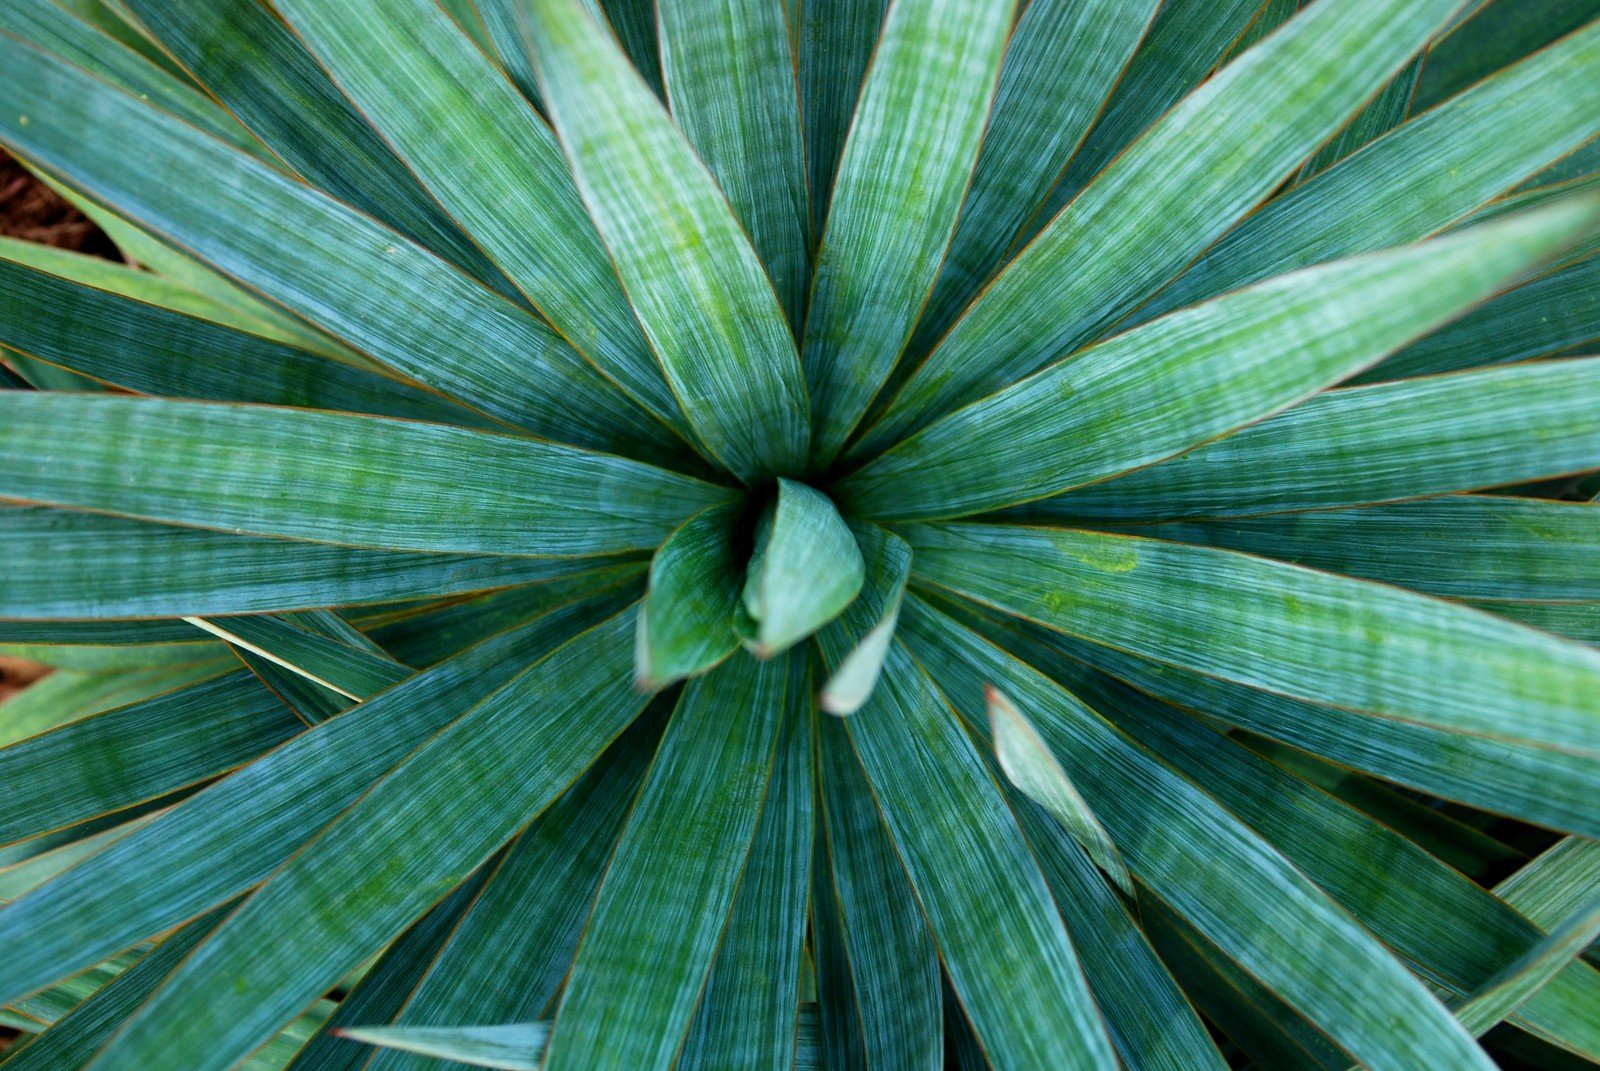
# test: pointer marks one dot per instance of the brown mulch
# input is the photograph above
(34, 212)
(15, 675)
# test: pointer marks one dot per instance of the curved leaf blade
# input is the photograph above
(1062, 63)
(1480, 547)
(335, 478)
(426, 87)
(1279, 627)
(748, 1015)
(543, 891)
(1408, 439)
(1200, 859)
(1200, 373)
(695, 282)
(1002, 942)
(686, 624)
(242, 52)
(409, 839)
(232, 835)
(805, 570)
(343, 271)
(884, 943)
(907, 162)
(1175, 190)
(730, 78)
(1422, 177)
(63, 565)
(1026, 760)
(670, 887)
(867, 625)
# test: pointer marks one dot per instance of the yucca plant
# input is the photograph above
(723, 534)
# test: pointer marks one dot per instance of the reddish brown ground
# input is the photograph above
(33, 212)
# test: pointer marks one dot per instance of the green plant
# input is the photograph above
(960, 545)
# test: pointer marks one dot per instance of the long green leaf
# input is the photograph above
(444, 103)
(1408, 439)
(1198, 858)
(1001, 940)
(409, 840)
(242, 52)
(334, 478)
(1537, 319)
(155, 351)
(867, 624)
(1497, 33)
(1262, 1026)
(1284, 628)
(1200, 373)
(906, 166)
(74, 1038)
(634, 23)
(63, 564)
(1535, 784)
(1456, 934)
(1530, 975)
(206, 296)
(1556, 883)
(884, 942)
(834, 1014)
(1390, 108)
(695, 281)
(1174, 191)
(56, 29)
(1148, 1016)
(668, 892)
(1460, 546)
(805, 570)
(232, 835)
(1422, 177)
(686, 625)
(834, 47)
(1186, 40)
(542, 892)
(730, 79)
(384, 986)
(1062, 62)
(65, 696)
(748, 1015)
(342, 270)
(514, 1046)
(114, 760)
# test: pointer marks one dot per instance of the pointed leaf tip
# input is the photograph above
(1027, 762)
(851, 685)
(508, 1047)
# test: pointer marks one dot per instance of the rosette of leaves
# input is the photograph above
(851, 533)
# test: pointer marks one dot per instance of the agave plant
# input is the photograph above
(733, 534)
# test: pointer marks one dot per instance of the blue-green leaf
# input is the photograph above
(668, 892)
(696, 283)
(906, 166)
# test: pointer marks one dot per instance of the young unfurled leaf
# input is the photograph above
(1026, 760)
(686, 625)
(806, 568)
